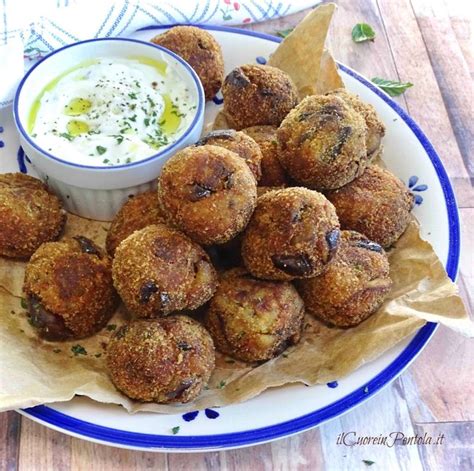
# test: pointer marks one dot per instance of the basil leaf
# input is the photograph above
(284, 32)
(101, 150)
(392, 87)
(362, 32)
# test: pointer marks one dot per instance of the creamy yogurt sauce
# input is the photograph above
(112, 111)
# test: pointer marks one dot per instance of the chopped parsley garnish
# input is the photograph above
(133, 118)
(146, 121)
(118, 138)
(105, 161)
(221, 384)
(67, 136)
(133, 96)
(368, 462)
(78, 350)
(175, 430)
(128, 160)
(101, 150)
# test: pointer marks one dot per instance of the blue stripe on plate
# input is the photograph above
(131, 439)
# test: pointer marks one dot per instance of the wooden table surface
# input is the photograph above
(429, 43)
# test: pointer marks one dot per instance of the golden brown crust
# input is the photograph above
(257, 94)
(273, 174)
(322, 143)
(163, 360)
(375, 127)
(377, 204)
(252, 319)
(354, 285)
(244, 146)
(68, 287)
(200, 50)
(208, 192)
(158, 270)
(293, 233)
(138, 212)
(30, 214)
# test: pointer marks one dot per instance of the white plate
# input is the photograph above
(287, 410)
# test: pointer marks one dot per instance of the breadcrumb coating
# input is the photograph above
(293, 233)
(252, 319)
(257, 94)
(200, 50)
(377, 204)
(158, 270)
(353, 287)
(69, 290)
(322, 143)
(208, 192)
(236, 141)
(138, 212)
(273, 174)
(163, 360)
(30, 214)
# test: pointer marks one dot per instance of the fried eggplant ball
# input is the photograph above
(200, 50)
(353, 287)
(293, 233)
(254, 320)
(273, 174)
(322, 143)
(377, 205)
(163, 360)
(158, 270)
(242, 144)
(30, 214)
(138, 212)
(68, 289)
(257, 94)
(375, 127)
(208, 192)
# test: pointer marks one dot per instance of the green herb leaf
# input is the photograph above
(221, 384)
(368, 462)
(111, 327)
(23, 303)
(67, 136)
(146, 121)
(101, 150)
(284, 32)
(362, 32)
(175, 430)
(78, 350)
(133, 96)
(392, 87)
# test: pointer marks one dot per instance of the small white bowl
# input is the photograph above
(91, 191)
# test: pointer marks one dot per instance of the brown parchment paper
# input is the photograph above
(303, 57)
(35, 372)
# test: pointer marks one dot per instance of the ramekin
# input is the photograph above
(90, 191)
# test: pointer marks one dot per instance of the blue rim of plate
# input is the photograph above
(112, 436)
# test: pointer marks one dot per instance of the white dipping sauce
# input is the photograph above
(112, 111)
